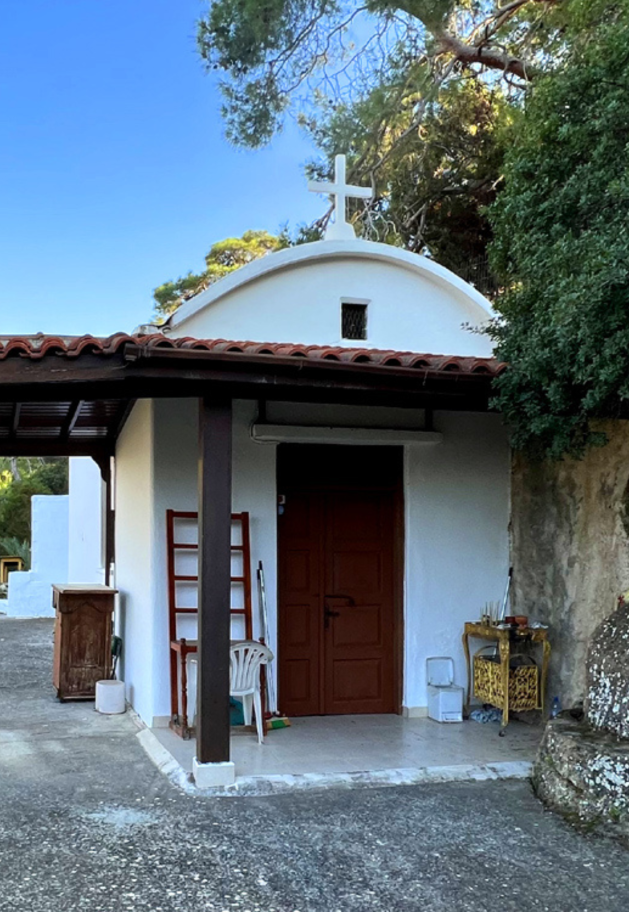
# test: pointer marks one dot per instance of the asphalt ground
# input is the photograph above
(87, 822)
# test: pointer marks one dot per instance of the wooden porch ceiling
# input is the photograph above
(59, 427)
(72, 396)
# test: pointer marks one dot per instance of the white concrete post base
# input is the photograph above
(212, 775)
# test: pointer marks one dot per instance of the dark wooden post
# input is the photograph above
(215, 495)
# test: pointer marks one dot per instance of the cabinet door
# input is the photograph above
(86, 632)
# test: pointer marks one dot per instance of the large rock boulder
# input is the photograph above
(584, 775)
(607, 695)
(582, 768)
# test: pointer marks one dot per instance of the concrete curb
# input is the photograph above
(165, 762)
(260, 786)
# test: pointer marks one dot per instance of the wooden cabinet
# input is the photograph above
(83, 628)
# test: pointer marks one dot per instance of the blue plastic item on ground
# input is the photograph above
(493, 714)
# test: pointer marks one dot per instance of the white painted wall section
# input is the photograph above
(30, 593)
(86, 522)
(457, 553)
(134, 576)
(175, 487)
(156, 470)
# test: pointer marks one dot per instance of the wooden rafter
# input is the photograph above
(125, 409)
(15, 420)
(71, 419)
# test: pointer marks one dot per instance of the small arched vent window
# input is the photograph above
(353, 320)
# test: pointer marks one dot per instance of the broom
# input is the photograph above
(273, 719)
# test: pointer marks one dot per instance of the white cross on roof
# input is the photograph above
(340, 228)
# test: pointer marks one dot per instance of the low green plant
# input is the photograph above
(10, 546)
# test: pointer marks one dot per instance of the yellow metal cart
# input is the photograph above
(496, 683)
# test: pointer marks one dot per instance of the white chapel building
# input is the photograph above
(323, 413)
(380, 519)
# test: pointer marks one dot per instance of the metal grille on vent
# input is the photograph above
(354, 321)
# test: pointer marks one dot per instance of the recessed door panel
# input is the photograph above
(298, 682)
(360, 571)
(357, 626)
(298, 571)
(299, 624)
(358, 682)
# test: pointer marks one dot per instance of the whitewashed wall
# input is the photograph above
(457, 546)
(86, 526)
(295, 296)
(134, 571)
(175, 429)
(30, 593)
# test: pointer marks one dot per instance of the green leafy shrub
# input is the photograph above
(19, 481)
(562, 246)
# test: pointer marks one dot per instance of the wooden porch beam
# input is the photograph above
(137, 374)
(126, 407)
(215, 496)
(46, 446)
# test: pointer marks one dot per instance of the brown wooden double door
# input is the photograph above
(338, 557)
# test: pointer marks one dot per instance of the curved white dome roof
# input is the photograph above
(297, 295)
(320, 251)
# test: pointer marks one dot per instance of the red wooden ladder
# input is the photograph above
(181, 647)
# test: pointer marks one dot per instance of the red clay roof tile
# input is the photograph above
(43, 346)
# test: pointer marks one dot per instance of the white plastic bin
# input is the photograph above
(110, 697)
(445, 699)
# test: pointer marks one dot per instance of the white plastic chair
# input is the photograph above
(245, 659)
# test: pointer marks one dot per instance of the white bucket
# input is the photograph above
(110, 697)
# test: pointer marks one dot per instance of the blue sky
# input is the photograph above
(114, 172)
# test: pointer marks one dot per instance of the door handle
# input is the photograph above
(339, 595)
(328, 612)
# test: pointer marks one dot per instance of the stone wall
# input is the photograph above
(570, 550)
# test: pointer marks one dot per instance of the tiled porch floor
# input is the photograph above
(344, 744)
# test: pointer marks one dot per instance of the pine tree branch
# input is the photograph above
(489, 57)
